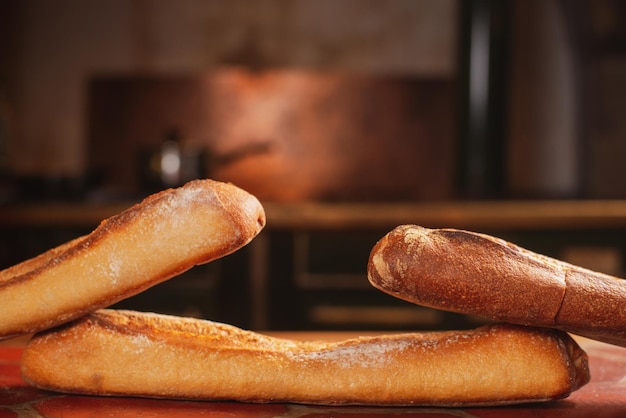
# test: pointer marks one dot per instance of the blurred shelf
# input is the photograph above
(62, 215)
(510, 214)
(561, 214)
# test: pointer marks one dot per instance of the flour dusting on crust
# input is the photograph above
(373, 353)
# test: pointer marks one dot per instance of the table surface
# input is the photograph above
(604, 396)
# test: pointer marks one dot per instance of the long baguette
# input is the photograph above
(164, 235)
(478, 274)
(148, 355)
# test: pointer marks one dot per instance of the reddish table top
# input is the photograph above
(604, 396)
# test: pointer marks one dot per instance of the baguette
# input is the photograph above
(161, 237)
(129, 353)
(481, 275)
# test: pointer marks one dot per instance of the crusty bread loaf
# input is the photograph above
(140, 354)
(478, 274)
(161, 237)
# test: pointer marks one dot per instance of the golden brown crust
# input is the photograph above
(594, 306)
(14, 274)
(140, 354)
(477, 274)
(164, 235)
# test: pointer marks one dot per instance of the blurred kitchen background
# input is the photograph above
(345, 117)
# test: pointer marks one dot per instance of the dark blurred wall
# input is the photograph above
(61, 45)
